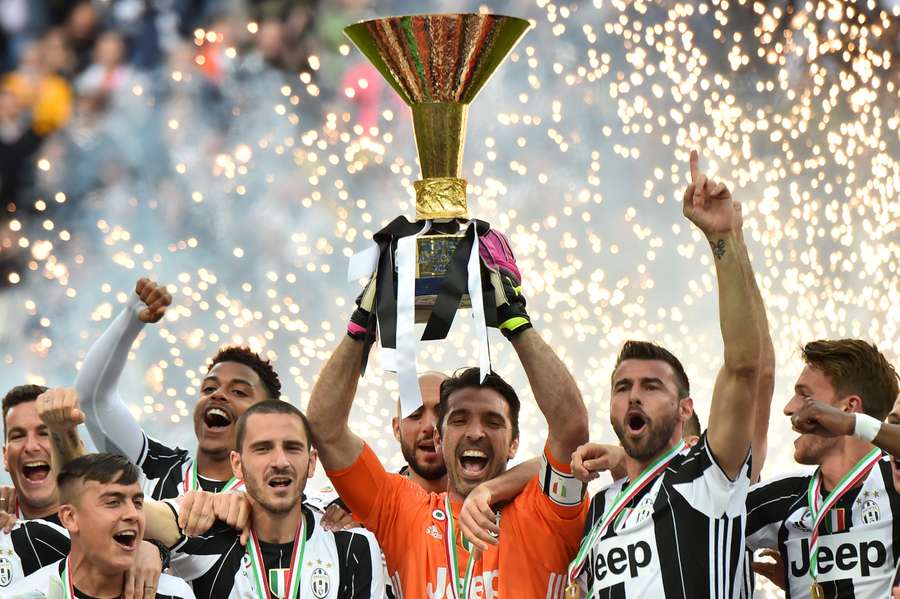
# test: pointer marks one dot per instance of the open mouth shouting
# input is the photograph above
(127, 540)
(36, 471)
(473, 463)
(636, 422)
(217, 418)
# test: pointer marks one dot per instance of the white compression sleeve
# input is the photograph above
(111, 425)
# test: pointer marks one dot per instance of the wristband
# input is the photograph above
(866, 427)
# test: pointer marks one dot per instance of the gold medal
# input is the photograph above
(572, 590)
(817, 591)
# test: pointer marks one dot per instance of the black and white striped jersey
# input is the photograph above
(165, 469)
(856, 544)
(682, 536)
(29, 546)
(339, 565)
(46, 583)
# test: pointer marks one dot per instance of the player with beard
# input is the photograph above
(415, 433)
(477, 433)
(288, 554)
(236, 379)
(834, 528)
(101, 505)
(35, 440)
(674, 526)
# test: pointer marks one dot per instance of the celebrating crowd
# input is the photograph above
(682, 518)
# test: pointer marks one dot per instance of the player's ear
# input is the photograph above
(236, 466)
(854, 403)
(685, 409)
(68, 518)
(395, 424)
(513, 448)
(313, 459)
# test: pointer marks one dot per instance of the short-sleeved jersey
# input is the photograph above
(46, 582)
(165, 469)
(539, 532)
(856, 553)
(29, 546)
(681, 536)
(336, 565)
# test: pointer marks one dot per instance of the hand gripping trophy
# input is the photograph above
(425, 270)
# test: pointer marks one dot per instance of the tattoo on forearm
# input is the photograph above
(718, 248)
(58, 443)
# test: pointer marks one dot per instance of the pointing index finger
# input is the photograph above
(695, 166)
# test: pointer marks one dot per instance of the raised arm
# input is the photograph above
(111, 425)
(765, 383)
(731, 422)
(554, 389)
(58, 409)
(330, 403)
(556, 394)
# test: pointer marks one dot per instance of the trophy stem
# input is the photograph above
(440, 129)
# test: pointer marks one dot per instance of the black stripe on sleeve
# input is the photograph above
(38, 545)
(356, 567)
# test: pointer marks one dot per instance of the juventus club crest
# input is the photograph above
(870, 512)
(320, 583)
(6, 571)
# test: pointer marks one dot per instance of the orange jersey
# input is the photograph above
(538, 536)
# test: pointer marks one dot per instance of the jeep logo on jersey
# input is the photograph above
(320, 583)
(484, 586)
(841, 556)
(612, 565)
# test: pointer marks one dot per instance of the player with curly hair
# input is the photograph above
(235, 379)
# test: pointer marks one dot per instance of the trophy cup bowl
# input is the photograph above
(437, 64)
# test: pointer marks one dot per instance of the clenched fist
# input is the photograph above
(155, 297)
(590, 459)
(59, 409)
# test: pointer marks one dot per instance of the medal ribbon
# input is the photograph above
(462, 588)
(66, 578)
(618, 504)
(258, 566)
(192, 480)
(818, 513)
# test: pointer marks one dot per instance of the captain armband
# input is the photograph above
(561, 487)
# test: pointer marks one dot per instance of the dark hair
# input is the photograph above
(471, 378)
(104, 468)
(270, 406)
(692, 426)
(856, 367)
(251, 359)
(17, 395)
(644, 350)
